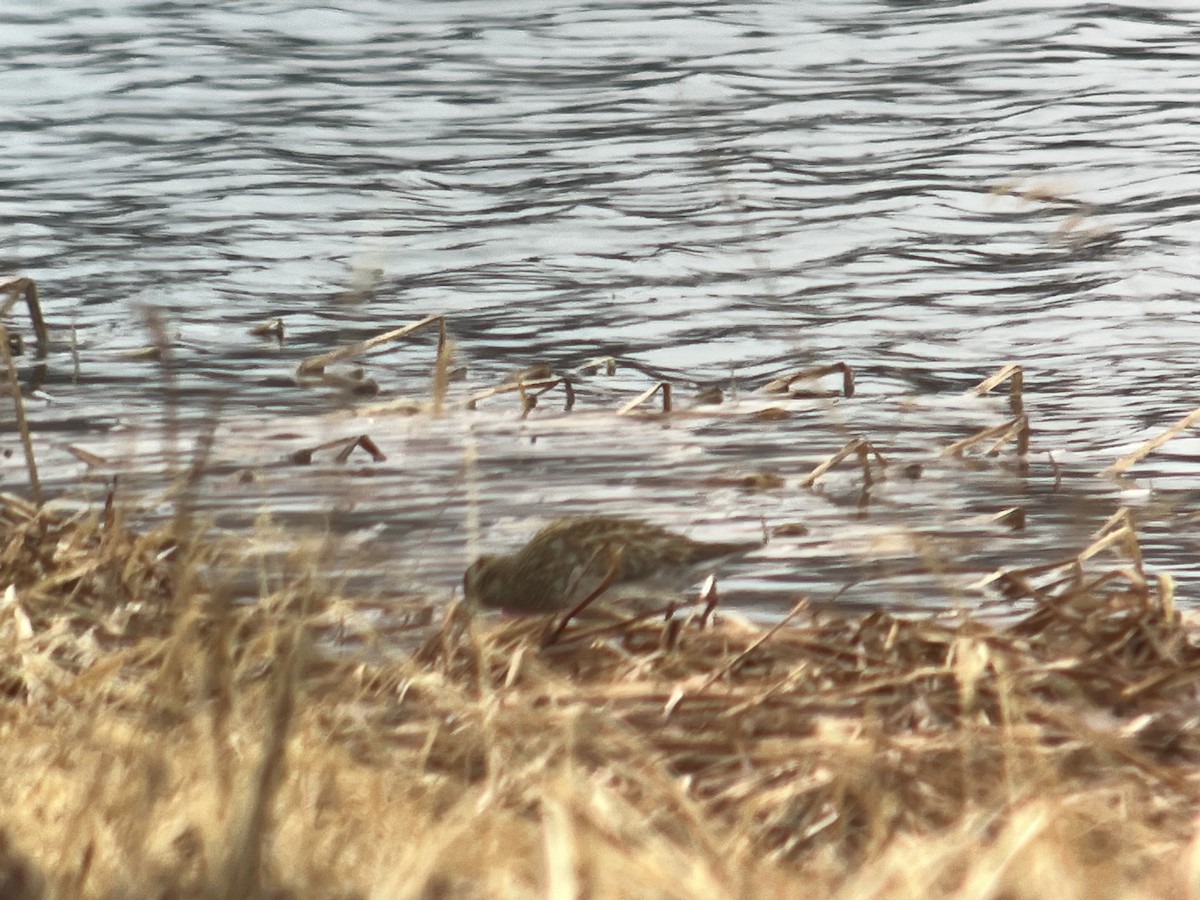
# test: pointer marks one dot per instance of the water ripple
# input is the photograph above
(925, 192)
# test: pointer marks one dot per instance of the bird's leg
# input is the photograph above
(614, 563)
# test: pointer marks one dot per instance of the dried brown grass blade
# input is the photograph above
(1015, 375)
(663, 387)
(1018, 425)
(783, 384)
(316, 365)
(605, 583)
(14, 390)
(1121, 528)
(441, 375)
(528, 391)
(87, 457)
(606, 364)
(1020, 428)
(860, 447)
(717, 674)
(20, 286)
(155, 323)
(1153, 444)
(346, 446)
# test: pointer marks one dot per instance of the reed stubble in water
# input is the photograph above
(570, 558)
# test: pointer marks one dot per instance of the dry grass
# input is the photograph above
(160, 740)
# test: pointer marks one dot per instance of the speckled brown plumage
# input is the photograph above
(569, 558)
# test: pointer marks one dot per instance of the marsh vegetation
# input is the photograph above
(165, 733)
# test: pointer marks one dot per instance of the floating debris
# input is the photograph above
(403, 406)
(539, 371)
(791, 529)
(771, 414)
(1013, 517)
(365, 279)
(753, 481)
(272, 328)
(605, 364)
(1055, 200)
(148, 353)
(87, 457)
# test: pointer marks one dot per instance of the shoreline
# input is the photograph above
(160, 738)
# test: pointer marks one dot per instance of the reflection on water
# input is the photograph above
(714, 195)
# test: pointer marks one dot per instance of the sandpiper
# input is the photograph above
(570, 559)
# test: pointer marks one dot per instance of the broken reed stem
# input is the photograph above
(569, 390)
(1018, 425)
(1166, 595)
(316, 365)
(663, 387)
(74, 355)
(346, 445)
(1153, 444)
(1015, 375)
(607, 364)
(522, 388)
(783, 384)
(586, 636)
(1135, 580)
(1119, 530)
(729, 666)
(860, 447)
(27, 287)
(1121, 526)
(1013, 517)
(441, 375)
(864, 463)
(14, 389)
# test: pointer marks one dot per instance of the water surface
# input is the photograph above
(712, 194)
